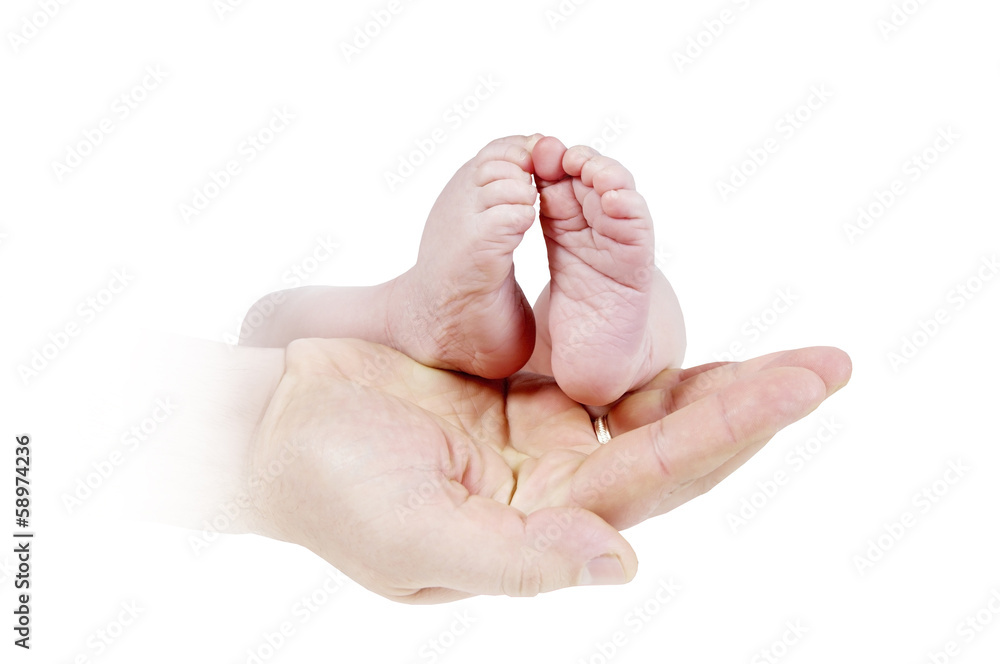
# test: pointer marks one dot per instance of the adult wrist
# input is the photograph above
(197, 471)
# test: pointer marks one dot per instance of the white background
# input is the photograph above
(685, 128)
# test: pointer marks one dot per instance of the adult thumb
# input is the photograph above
(498, 550)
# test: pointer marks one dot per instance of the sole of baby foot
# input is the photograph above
(601, 247)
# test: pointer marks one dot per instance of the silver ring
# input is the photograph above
(601, 429)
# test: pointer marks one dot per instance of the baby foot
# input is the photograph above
(459, 307)
(604, 335)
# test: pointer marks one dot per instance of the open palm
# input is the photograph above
(427, 485)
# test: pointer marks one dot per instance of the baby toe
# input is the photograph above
(513, 149)
(606, 175)
(547, 157)
(576, 158)
(495, 170)
(506, 192)
(624, 204)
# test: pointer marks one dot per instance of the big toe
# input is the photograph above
(547, 156)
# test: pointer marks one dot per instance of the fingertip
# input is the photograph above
(617, 565)
(841, 369)
(831, 364)
(791, 392)
(629, 561)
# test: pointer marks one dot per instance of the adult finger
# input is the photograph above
(627, 480)
(673, 390)
(705, 484)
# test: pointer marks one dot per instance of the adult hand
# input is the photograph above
(427, 486)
